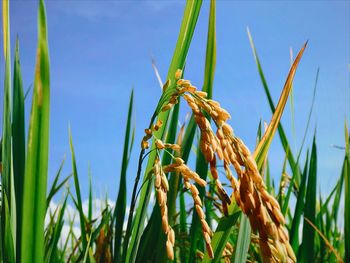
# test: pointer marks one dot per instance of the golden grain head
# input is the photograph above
(227, 129)
(209, 250)
(199, 254)
(206, 227)
(171, 236)
(144, 144)
(165, 224)
(290, 252)
(201, 94)
(167, 107)
(160, 196)
(159, 124)
(178, 160)
(178, 74)
(169, 250)
(157, 181)
(187, 184)
(186, 83)
(165, 183)
(201, 182)
(175, 147)
(164, 210)
(159, 144)
(197, 200)
(179, 82)
(148, 132)
(194, 190)
(200, 212)
(207, 238)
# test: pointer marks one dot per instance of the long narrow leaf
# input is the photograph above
(281, 132)
(299, 209)
(120, 205)
(79, 203)
(18, 142)
(35, 181)
(346, 172)
(265, 142)
(8, 235)
(296, 169)
(54, 249)
(307, 249)
(8, 218)
(243, 241)
(54, 188)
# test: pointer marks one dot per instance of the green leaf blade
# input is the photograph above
(307, 250)
(34, 204)
(120, 206)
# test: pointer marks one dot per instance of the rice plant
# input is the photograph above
(197, 216)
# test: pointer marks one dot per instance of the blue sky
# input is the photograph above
(99, 50)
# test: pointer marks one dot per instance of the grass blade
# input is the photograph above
(8, 210)
(324, 238)
(90, 196)
(346, 174)
(18, 142)
(54, 188)
(8, 238)
(243, 241)
(79, 203)
(295, 169)
(265, 142)
(307, 250)
(120, 206)
(35, 181)
(281, 132)
(299, 209)
(53, 251)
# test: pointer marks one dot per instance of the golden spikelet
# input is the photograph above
(250, 191)
(162, 187)
(207, 232)
(178, 74)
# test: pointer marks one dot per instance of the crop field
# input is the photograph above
(190, 190)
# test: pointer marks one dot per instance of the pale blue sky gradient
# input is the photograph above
(99, 50)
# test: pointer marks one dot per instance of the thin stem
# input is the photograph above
(133, 202)
(134, 195)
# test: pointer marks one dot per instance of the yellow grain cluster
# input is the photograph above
(207, 232)
(249, 191)
(161, 186)
(180, 167)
